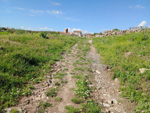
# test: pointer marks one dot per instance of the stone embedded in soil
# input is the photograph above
(98, 72)
(116, 80)
(106, 105)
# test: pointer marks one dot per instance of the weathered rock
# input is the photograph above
(112, 32)
(106, 105)
(98, 72)
(116, 80)
(143, 70)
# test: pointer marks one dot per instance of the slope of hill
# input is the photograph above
(128, 56)
(24, 59)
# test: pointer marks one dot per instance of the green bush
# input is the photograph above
(44, 35)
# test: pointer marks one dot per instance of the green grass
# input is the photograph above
(78, 76)
(64, 81)
(57, 84)
(60, 75)
(42, 106)
(77, 100)
(26, 57)
(78, 69)
(52, 92)
(90, 107)
(135, 85)
(31, 86)
(77, 62)
(58, 99)
(14, 111)
(71, 109)
(82, 91)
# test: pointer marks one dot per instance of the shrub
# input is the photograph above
(44, 35)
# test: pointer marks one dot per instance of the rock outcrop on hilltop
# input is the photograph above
(113, 32)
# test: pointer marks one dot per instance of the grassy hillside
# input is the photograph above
(128, 56)
(24, 59)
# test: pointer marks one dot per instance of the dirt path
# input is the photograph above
(66, 92)
(31, 104)
(106, 93)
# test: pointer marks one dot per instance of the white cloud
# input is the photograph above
(30, 15)
(140, 7)
(19, 8)
(55, 3)
(54, 12)
(22, 27)
(29, 28)
(74, 29)
(83, 31)
(137, 7)
(31, 12)
(36, 11)
(142, 24)
(46, 29)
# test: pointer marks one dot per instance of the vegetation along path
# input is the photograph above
(79, 83)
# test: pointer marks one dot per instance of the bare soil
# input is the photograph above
(107, 93)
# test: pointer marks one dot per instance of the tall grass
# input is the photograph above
(23, 59)
(135, 85)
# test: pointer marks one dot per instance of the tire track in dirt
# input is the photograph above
(107, 93)
(66, 92)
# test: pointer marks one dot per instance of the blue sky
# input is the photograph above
(86, 15)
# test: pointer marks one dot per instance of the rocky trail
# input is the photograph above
(61, 86)
(108, 94)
